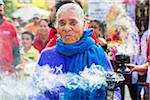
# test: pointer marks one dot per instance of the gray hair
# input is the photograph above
(72, 7)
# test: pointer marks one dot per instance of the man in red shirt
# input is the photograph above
(9, 45)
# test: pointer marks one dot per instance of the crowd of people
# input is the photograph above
(65, 39)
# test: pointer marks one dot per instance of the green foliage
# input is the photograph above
(9, 7)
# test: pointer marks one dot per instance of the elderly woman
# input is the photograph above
(75, 50)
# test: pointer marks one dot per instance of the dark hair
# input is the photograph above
(97, 21)
(44, 20)
(79, 3)
(29, 33)
(61, 3)
(102, 25)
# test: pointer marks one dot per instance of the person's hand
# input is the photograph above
(132, 67)
(139, 68)
(19, 67)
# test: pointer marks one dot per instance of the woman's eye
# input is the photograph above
(28, 39)
(43, 26)
(73, 23)
(62, 23)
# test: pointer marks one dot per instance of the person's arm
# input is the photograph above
(16, 55)
(139, 68)
(16, 46)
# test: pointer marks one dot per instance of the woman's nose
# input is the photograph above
(67, 28)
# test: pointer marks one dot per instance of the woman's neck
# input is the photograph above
(44, 38)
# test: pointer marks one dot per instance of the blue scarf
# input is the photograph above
(84, 53)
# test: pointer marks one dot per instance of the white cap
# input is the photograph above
(1, 2)
(36, 15)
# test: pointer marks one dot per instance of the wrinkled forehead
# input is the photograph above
(70, 11)
(70, 8)
(69, 20)
(69, 15)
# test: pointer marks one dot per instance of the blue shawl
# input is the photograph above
(76, 57)
(84, 53)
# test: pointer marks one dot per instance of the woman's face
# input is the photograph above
(69, 27)
(43, 27)
(96, 28)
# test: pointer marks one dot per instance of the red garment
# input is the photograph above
(52, 32)
(148, 59)
(93, 35)
(38, 44)
(148, 48)
(52, 41)
(8, 40)
(53, 38)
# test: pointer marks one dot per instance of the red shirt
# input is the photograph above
(93, 34)
(52, 41)
(38, 44)
(148, 48)
(8, 40)
(53, 38)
